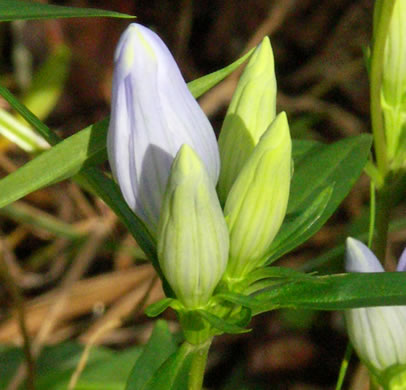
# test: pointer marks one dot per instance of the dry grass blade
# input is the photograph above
(79, 266)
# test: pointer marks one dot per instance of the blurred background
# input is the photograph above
(82, 276)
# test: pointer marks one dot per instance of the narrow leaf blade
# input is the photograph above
(337, 292)
(29, 10)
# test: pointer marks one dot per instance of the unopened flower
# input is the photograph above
(257, 202)
(192, 236)
(393, 96)
(251, 111)
(377, 333)
(153, 114)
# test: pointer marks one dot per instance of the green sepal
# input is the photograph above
(225, 326)
(159, 307)
(393, 378)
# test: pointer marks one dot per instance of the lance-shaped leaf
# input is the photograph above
(192, 236)
(153, 114)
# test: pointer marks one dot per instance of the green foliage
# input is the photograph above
(324, 175)
(48, 82)
(336, 292)
(104, 370)
(29, 10)
(158, 349)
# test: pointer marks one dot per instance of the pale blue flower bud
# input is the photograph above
(192, 235)
(251, 111)
(377, 333)
(257, 202)
(153, 114)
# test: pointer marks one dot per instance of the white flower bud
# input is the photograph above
(153, 114)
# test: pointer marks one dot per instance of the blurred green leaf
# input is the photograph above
(29, 10)
(104, 370)
(21, 134)
(336, 292)
(158, 349)
(48, 82)
(40, 127)
(25, 214)
(64, 160)
(174, 372)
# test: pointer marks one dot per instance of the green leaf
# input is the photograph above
(158, 349)
(25, 214)
(29, 10)
(337, 292)
(275, 273)
(322, 165)
(104, 370)
(64, 160)
(40, 127)
(21, 134)
(201, 85)
(174, 373)
(323, 176)
(298, 228)
(248, 301)
(48, 82)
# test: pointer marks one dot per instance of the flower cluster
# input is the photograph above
(210, 224)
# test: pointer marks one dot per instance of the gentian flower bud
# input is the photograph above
(393, 96)
(251, 111)
(377, 333)
(153, 114)
(257, 202)
(192, 236)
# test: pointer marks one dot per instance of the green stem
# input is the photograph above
(383, 211)
(344, 366)
(376, 70)
(197, 369)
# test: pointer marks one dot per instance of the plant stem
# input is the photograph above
(344, 366)
(384, 203)
(197, 369)
(376, 70)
